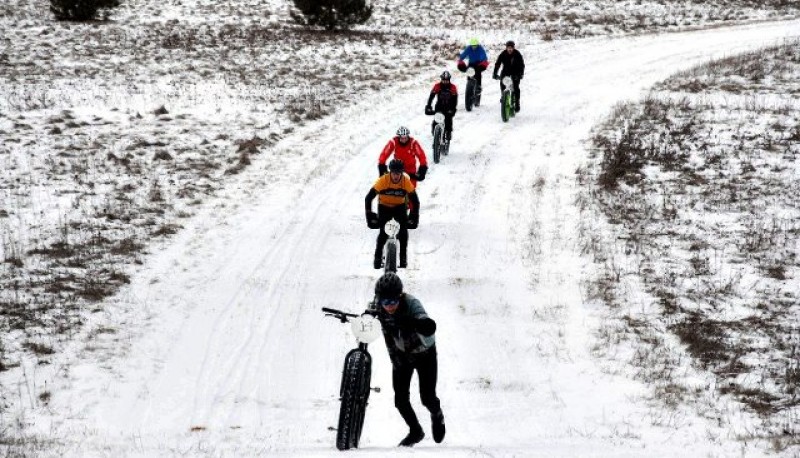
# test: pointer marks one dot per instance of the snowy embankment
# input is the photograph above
(700, 180)
(221, 348)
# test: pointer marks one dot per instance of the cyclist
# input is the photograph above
(409, 335)
(514, 66)
(476, 57)
(394, 190)
(407, 149)
(446, 95)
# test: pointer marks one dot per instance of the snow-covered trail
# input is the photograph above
(236, 358)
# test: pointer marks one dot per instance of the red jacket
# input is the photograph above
(408, 153)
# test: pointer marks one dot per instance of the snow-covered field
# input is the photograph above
(214, 344)
(701, 180)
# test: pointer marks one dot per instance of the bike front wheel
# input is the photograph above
(355, 393)
(390, 264)
(469, 97)
(437, 143)
(505, 106)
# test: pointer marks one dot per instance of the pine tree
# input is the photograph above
(82, 10)
(332, 14)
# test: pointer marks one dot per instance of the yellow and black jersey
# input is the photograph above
(393, 194)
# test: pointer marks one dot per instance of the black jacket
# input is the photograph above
(446, 98)
(513, 64)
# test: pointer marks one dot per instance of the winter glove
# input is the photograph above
(414, 176)
(428, 110)
(421, 172)
(413, 220)
(382, 170)
(425, 326)
(372, 220)
(495, 76)
(462, 66)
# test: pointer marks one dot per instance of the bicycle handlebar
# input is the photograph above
(343, 316)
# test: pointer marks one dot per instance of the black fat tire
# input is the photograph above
(354, 394)
(437, 143)
(504, 104)
(390, 265)
(469, 97)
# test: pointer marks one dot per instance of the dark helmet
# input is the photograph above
(396, 165)
(389, 286)
(510, 43)
(445, 76)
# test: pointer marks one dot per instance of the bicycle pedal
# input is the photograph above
(376, 389)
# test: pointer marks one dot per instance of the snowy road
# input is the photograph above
(235, 358)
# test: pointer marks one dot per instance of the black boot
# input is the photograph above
(437, 426)
(414, 436)
(377, 262)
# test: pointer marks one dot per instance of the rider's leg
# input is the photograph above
(384, 215)
(402, 235)
(401, 382)
(448, 127)
(516, 94)
(427, 370)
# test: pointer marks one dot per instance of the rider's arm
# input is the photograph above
(521, 64)
(387, 151)
(430, 98)
(414, 200)
(497, 66)
(369, 198)
(420, 153)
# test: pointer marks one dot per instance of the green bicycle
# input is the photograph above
(507, 100)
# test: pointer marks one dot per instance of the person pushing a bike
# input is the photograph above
(446, 95)
(407, 149)
(409, 335)
(475, 57)
(514, 66)
(394, 191)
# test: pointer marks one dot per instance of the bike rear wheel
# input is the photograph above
(354, 393)
(437, 142)
(390, 264)
(469, 97)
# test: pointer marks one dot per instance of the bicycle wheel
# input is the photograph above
(469, 96)
(504, 103)
(390, 264)
(355, 393)
(437, 142)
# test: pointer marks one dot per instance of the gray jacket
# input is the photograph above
(400, 340)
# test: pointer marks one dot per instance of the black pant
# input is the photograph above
(397, 213)
(448, 125)
(515, 80)
(426, 366)
(478, 72)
